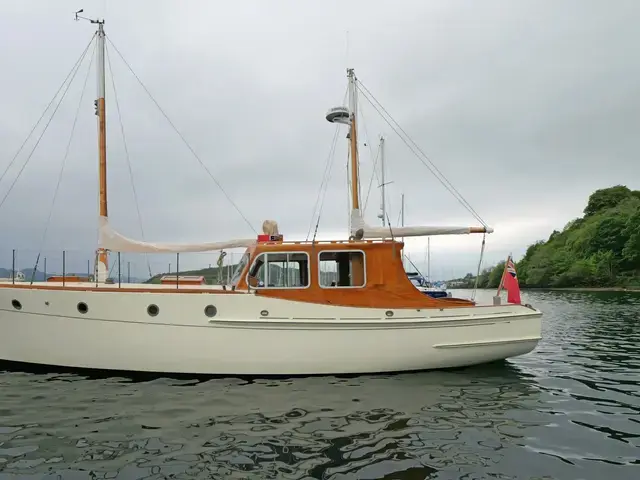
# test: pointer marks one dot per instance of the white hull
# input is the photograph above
(293, 339)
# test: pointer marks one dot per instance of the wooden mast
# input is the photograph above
(357, 262)
(353, 139)
(101, 270)
(102, 264)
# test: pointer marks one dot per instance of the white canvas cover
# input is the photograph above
(111, 240)
(357, 222)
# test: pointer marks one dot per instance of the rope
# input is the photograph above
(64, 161)
(183, 139)
(126, 154)
(475, 286)
(415, 148)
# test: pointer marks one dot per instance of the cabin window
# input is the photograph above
(342, 269)
(280, 270)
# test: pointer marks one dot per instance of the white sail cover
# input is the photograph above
(109, 239)
(357, 223)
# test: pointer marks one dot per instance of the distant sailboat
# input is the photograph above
(423, 284)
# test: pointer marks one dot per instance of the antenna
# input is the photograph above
(347, 47)
(78, 17)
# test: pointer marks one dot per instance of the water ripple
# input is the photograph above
(569, 410)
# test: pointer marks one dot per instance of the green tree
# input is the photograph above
(631, 250)
(606, 198)
(600, 249)
(496, 275)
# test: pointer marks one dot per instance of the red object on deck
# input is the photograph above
(269, 238)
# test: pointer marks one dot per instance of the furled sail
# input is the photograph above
(109, 239)
(369, 232)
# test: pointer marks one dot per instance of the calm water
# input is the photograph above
(569, 410)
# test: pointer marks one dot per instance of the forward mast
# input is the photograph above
(101, 271)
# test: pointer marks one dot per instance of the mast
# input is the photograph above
(383, 209)
(429, 259)
(102, 261)
(353, 139)
(402, 222)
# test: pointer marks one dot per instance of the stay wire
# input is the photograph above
(126, 154)
(413, 147)
(324, 193)
(375, 161)
(324, 183)
(182, 137)
(75, 65)
(64, 162)
(15, 180)
(317, 208)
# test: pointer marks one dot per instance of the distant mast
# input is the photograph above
(402, 223)
(102, 260)
(383, 206)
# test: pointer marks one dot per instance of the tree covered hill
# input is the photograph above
(600, 249)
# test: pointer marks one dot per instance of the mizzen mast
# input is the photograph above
(102, 261)
(347, 116)
(353, 140)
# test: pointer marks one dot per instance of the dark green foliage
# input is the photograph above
(606, 198)
(602, 249)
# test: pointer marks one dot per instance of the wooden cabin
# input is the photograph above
(361, 273)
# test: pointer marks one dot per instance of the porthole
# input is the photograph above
(264, 313)
(83, 308)
(16, 304)
(389, 313)
(153, 310)
(210, 311)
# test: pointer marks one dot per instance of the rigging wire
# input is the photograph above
(64, 162)
(324, 193)
(15, 180)
(75, 65)
(414, 147)
(475, 286)
(317, 208)
(182, 137)
(375, 162)
(126, 154)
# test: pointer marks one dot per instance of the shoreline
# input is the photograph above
(571, 289)
(590, 289)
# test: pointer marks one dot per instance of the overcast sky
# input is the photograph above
(526, 107)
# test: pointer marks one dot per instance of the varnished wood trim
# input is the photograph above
(69, 288)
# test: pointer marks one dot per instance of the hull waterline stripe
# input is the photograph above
(487, 344)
